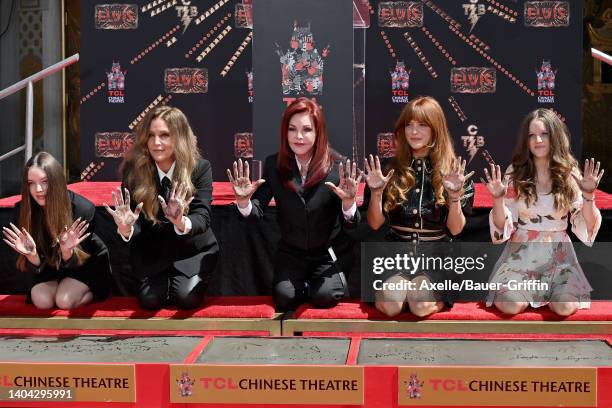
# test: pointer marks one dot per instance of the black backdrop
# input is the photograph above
(518, 49)
(506, 42)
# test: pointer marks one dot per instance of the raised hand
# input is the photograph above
(20, 240)
(591, 176)
(453, 182)
(374, 175)
(349, 182)
(241, 182)
(122, 214)
(177, 202)
(497, 186)
(71, 237)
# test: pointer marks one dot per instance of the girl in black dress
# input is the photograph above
(71, 265)
(423, 198)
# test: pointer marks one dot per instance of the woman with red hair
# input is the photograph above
(315, 198)
(422, 199)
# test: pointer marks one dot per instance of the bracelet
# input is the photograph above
(587, 199)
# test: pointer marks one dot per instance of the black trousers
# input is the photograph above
(308, 276)
(172, 288)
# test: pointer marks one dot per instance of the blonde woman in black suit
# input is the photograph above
(173, 250)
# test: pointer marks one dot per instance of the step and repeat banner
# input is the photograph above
(487, 62)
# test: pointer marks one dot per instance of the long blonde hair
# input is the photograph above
(427, 110)
(562, 162)
(139, 169)
(45, 224)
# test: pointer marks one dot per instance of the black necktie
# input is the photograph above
(166, 186)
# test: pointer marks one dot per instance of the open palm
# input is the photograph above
(349, 182)
(497, 186)
(374, 177)
(73, 236)
(453, 181)
(20, 240)
(591, 176)
(241, 181)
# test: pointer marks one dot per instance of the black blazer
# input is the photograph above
(310, 219)
(98, 261)
(156, 247)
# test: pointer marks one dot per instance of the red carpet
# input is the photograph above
(217, 307)
(99, 192)
(599, 311)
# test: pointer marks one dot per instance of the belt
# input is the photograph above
(407, 234)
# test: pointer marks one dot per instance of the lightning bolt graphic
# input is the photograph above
(471, 148)
(472, 16)
(186, 20)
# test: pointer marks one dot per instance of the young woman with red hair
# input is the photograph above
(422, 198)
(315, 197)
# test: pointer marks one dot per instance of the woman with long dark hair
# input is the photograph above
(548, 191)
(54, 240)
(423, 198)
(315, 197)
(172, 248)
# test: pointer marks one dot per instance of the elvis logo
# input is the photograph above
(116, 83)
(385, 145)
(250, 91)
(185, 385)
(302, 65)
(473, 10)
(112, 144)
(547, 13)
(472, 142)
(186, 80)
(400, 14)
(116, 16)
(546, 83)
(473, 80)
(400, 82)
(186, 12)
(243, 145)
(414, 387)
(243, 14)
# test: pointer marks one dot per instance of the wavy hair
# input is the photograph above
(138, 169)
(45, 224)
(323, 156)
(427, 110)
(561, 161)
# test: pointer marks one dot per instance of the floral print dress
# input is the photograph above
(539, 250)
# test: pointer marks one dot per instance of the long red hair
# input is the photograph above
(322, 157)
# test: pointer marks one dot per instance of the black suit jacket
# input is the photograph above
(156, 247)
(310, 219)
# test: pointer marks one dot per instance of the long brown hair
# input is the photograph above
(45, 224)
(427, 110)
(562, 161)
(139, 169)
(322, 157)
